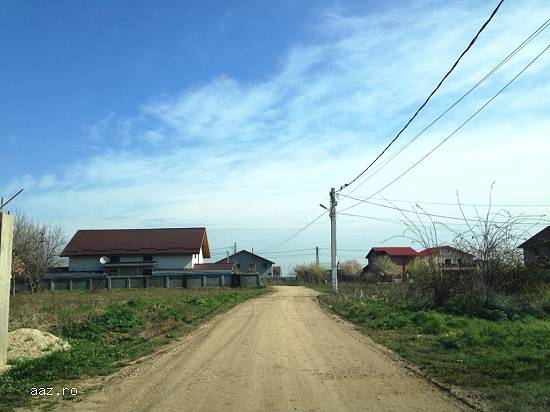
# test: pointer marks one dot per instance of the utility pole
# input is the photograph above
(317, 255)
(332, 214)
(6, 239)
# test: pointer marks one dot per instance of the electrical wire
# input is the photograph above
(421, 202)
(524, 43)
(428, 98)
(458, 128)
(424, 213)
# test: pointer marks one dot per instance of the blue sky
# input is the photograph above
(240, 116)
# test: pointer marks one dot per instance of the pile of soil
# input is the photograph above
(33, 343)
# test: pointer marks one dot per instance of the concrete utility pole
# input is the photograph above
(332, 214)
(6, 243)
(317, 255)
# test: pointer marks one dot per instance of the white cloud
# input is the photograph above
(249, 159)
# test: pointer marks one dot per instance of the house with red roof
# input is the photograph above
(448, 256)
(401, 257)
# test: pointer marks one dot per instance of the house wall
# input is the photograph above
(173, 262)
(539, 254)
(198, 258)
(456, 257)
(92, 264)
(243, 260)
(400, 263)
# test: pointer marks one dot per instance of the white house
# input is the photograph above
(127, 252)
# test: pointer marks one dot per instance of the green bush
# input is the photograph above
(430, 322)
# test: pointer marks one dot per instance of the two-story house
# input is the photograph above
(129, 252)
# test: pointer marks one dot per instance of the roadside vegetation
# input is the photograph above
(484, 327)
(500, 355)
(106, 330)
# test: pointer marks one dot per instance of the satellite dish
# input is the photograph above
(104, 259)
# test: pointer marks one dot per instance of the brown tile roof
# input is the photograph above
(170, 241)
(213, 266)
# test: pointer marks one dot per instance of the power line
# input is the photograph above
(428, 98)
(465, 122)
(419, 212)
(271, 245)
(462, 204)
(524, 43)
(292, 236)
(458, 128)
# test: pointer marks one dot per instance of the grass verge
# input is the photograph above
(506, 361)
(106, 330)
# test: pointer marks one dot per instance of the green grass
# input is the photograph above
(106, 330)
(507, 361)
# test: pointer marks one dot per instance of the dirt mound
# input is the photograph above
(33, 343)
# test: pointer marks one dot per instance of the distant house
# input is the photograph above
(276, 271)
(401, 257)
(247, 262)
(130, 252)
(448, 256)
(536, 250)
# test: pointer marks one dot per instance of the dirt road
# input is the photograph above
(278, 352)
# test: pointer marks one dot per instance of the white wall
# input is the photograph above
(91, 263)
(198, 258)
(178, 262)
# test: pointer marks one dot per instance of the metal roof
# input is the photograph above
(395, 251)
(169, 241)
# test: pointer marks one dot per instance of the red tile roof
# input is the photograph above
(171, 241)
(395, 251)
(429, 251)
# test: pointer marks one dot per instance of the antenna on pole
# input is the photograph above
(2, 203)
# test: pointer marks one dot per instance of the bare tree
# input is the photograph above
(350, 269)
(36, 248)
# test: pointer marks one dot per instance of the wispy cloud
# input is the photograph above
(259, 155)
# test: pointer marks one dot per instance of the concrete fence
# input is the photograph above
(95, 281)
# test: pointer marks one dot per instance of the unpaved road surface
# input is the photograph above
(278, 352)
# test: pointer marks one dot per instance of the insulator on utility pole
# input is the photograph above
(333, 267)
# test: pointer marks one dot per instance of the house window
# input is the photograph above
(459, 261)
(238, 265)
(447, 262)
(147, 272)
(265, 265)
(148, 258)
(114, 259)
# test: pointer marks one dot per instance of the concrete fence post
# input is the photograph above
(203, 281)
(167, 282)
(6, 239)
(109, 284)
(128, 284)
(90, 285)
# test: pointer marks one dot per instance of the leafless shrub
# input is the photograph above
(492, 238)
